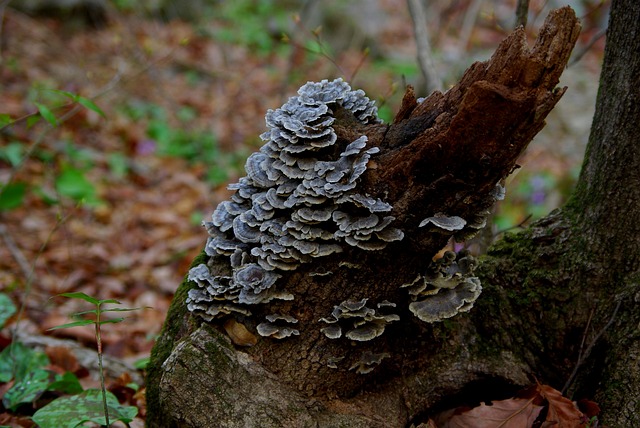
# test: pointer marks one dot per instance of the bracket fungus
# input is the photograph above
(446, 289)
(299, 201)
(461, 228)
(360, 322)
(441, 221)
(278, 326)
(368, 361)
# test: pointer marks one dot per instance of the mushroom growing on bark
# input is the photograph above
(299, 201)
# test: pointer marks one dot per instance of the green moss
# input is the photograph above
(172, 330)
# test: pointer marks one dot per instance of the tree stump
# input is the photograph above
(443, 157)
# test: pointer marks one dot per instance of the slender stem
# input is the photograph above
(582, 357)
(102, 387)
(522, 10)
(425, 56)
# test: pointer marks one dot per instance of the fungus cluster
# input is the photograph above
(360, 322)
(368, 361)
(446, 289)
(278, 326)
(298, 201)
(465, 229)
(449, 287)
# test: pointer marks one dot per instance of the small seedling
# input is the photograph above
(97, 321)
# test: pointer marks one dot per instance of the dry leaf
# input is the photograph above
(13, 421)
(511, 413)
(562, 411)
(64, 360)
(519, 412)
(588, 407)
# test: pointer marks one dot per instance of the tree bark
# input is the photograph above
(606, 217)
(544, 289)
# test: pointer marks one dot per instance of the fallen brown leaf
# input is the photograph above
(589, 408)
(562, 412)
(529, 407)
(63, 360)
(13, 421)
(510, 413)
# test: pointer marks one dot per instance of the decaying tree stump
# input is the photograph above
(443, 157)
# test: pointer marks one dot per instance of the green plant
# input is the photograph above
(254, 24)
(71, 182)
(7, 309)
(185, 141)
(27, 369)
(61, 407)
(91, 405)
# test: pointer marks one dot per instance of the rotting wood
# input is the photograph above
(444, 154)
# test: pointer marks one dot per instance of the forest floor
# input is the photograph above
(108, 200)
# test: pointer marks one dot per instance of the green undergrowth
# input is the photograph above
(183, 140)
(59, 399)
(76, 172)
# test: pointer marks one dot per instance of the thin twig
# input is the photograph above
(425, 59)
(582, 357)
(517, 226)
(578, 55)
(586, 330)
(3, 6)
(29, 283)
(100, 366)
(522, 13)
(468, 23)
(363, 57)
(15, 252)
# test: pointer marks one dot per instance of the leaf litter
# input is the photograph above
(537, 406)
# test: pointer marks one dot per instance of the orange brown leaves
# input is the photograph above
(539, 405)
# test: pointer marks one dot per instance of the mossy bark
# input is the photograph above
(550, 292)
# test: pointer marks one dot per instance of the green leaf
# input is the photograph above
(5, 120)
(47, 114)
(118, 164)
(67, 94)
(67, 383)
(73, 324)
(79, 315)
(12, 153)
(111, 321)
(7, 308)
(114, 301)
(12, 195)
(82, 296)
(28, 389)
(32, 120)
(124, 309)
(69, 412)
(73, 184)
(87, 103)
(16, 360)
(142, 363)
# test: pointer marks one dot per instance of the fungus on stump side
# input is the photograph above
(299, 201)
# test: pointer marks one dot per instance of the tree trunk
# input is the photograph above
(544, 289)
(605, 212)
